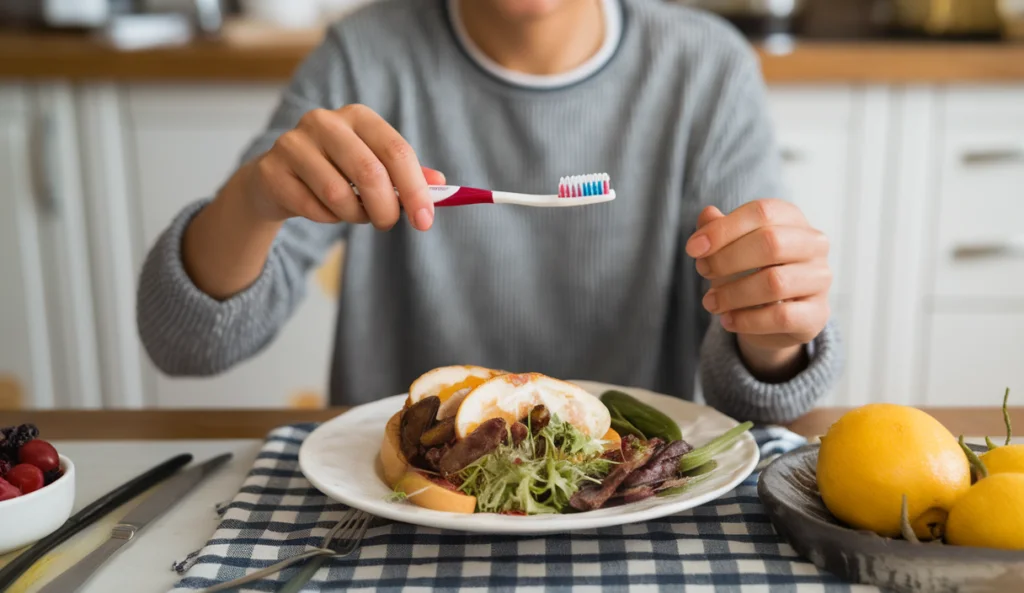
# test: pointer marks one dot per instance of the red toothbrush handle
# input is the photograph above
(454, 195)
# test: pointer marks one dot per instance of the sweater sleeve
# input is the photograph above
(187, 332)
(739, 162)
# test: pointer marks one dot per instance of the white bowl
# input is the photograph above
(35, 515)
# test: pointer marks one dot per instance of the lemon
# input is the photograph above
(990, 514)
(1008, 459)
(875, 454)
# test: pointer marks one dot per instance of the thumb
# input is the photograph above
(708, 214)
(433, 176)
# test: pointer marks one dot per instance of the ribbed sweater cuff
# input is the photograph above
(185, 330)
(730, 388)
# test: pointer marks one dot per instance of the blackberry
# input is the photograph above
(5, 466)
(21, 435)
(51, 476)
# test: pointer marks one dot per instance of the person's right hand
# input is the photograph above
(308, 170)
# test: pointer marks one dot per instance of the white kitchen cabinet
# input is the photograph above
(830, 138)
(953, 288)
(975, 302)
(972, 356)
(183, 144)
(816, 136)
(979, 243)
(48, 345)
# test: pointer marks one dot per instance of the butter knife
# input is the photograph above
(162, 499)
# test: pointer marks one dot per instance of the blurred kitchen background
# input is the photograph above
(901, 125)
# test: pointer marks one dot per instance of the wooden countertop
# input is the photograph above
(254, 424)
(48, 56)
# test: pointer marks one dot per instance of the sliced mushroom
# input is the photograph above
(415, 421)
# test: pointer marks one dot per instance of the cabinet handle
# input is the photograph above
(44, 163)
(995, 155)
(1013, 247)
(791, 155)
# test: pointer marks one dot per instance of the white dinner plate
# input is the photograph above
(340, 458)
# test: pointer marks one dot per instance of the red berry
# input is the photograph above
(8, 490)
(39, 453)
(28, 478)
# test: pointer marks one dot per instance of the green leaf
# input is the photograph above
(702, 455)
(514, 478)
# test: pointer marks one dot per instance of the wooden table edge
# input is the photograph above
(34, 57)
(255, 424)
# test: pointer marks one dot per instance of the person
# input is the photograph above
(696, 269)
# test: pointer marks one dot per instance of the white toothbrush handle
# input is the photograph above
(501, 197)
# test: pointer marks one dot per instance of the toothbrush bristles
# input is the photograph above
(579, 186)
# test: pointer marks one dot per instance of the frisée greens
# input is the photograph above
(539, 475)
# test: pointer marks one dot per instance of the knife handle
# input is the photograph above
(89, 515)
(71, 580)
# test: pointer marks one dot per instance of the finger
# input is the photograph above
(745, 219)
(803, 319)
(361, 166)
(707, 215)
(766, 246)
(401, 163)
(770, 285)
(290, 192)
(329, 187)
(433, 176)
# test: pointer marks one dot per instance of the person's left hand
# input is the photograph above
(780, 302)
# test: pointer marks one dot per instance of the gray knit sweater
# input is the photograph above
(675, 112)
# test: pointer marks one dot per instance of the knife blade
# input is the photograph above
(162, 499)
(90, 514)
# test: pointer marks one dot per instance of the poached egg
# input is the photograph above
(512, 396)
(450, 384)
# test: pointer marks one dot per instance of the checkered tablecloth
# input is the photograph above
(725, 545)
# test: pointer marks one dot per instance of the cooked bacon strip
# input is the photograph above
(637, 494)
(662, 466)
(635, 453)
(478, 443)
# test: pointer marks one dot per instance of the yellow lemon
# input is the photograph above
(1008, 459)
(990, 514)
(875, 454)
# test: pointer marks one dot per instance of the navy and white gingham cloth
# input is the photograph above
(725, 545)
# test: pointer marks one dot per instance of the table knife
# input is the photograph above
(92, 513)
(162, 499)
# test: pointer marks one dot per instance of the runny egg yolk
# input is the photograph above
(469, 382)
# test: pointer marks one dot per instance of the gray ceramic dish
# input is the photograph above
(788, 489)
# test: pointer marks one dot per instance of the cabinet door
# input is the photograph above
(25, 347)
(979, 251)
(186, 142)
(815, 133)
(973, 357)
(48, 350)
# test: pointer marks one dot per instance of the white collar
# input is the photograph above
(612, 36)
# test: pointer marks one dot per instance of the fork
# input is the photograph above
(348, 533)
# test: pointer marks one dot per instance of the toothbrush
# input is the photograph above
(575, 190)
